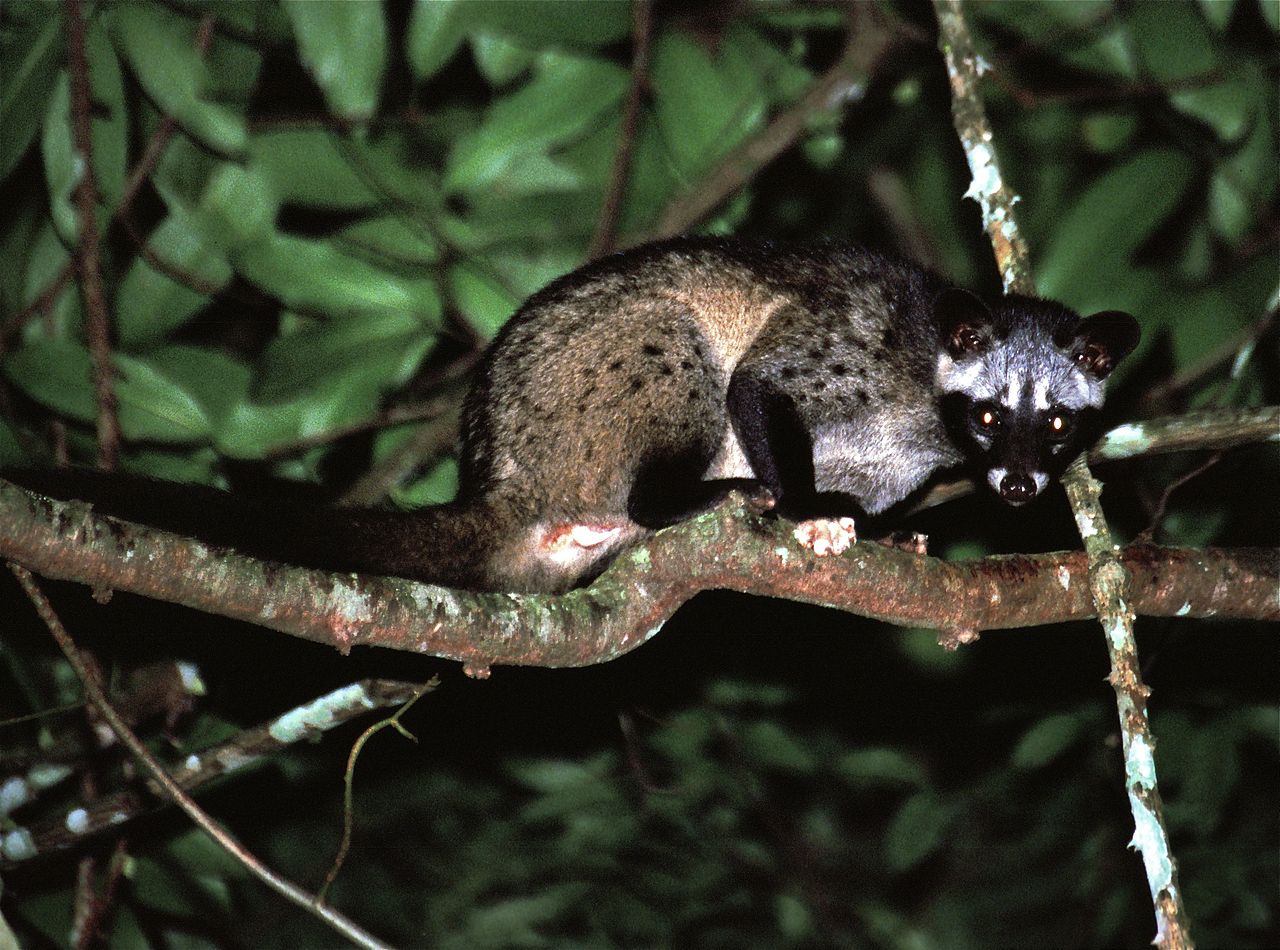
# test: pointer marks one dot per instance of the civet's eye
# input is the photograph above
(1060, 425)
(986, 416)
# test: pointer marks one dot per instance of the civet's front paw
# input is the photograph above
(911, 541)
(826, 536)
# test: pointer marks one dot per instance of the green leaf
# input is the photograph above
(1271, 13)
(564, 98)
(1218, 12)
(33, 57)
(498, 59)
(1109, 131)
(253, 430)
(182, 174)
(1046, 740)
(554, 23)
(770, 746)
(1172, 41)
(343, 46)
(310, 167)
(1243, 186)
(238, 205)
(704, 106)
(214, 380)
(438, 27)
(485, 305)
(917, 830)
(740, 693)
(317, 277)
(382, 349)
(108, 133)
(1113, 216)
(159, 47)
(150, 303)
(438, 486)
(879, 767)
(49, 257)
(1230, 206)
(436, 30)
(152, 407)
(393, 239)
(26, 217)
(60, 167)
(1225, 106)
(1106, 48)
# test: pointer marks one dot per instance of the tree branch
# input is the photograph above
(727, 548)
(69, 828)
(606, 234)
(281, 885)
(97, 320)
(1110, 581)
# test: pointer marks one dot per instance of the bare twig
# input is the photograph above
(97, 319)
(1147, 535)
(1110, 580)
(348, 778)
(606, 234)
(290, 891)
(1231, 354)
(146, 165)
(243, 752)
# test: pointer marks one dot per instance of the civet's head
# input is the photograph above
(1021, 383)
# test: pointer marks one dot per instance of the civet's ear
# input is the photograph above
(1103, 340)
(964, 321)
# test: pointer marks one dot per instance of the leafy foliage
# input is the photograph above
(340, 203)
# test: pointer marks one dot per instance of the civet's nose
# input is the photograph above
(1017, 488)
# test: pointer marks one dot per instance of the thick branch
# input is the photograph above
(723, 549)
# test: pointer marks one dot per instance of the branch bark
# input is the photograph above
(728, 548)
(1111, 583)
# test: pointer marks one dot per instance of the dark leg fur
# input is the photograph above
(773, 440)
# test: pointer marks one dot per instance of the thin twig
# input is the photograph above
(299, 724)
(340, 923)
(1147, 534)
(606, 234)
(1110, 582)
(97, 318)
(348, 779)
(151, 155)
(1226, 356)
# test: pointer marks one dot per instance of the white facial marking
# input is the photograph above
(1015, 389)
(1041, 394)
(1041, 479)
(953, 377)
(995, 477)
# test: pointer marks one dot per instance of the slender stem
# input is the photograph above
(1109, 580)
(606, 236)
(97, 321)
(171, 788)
